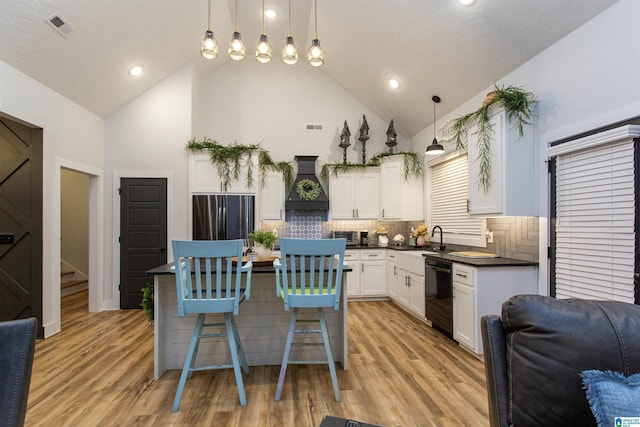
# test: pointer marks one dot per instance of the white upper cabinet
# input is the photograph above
(203, 177)
(512, 185)
(355, 195)
(400, 199)
(272, 197)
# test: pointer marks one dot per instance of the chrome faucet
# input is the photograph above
(433, 233)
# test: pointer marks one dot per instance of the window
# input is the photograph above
(594, 237)
(448, 189)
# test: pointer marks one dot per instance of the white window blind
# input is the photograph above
(595, 211)
(448, 207)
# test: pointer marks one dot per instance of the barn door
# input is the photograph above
(20, 222)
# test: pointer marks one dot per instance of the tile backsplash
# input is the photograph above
(513, 237)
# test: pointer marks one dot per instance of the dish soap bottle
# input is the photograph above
(412, 237)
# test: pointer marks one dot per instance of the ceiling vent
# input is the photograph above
(60, 24)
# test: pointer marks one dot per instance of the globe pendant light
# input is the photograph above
(315, 54)
(434, 149)
(289, 50)
(209, 45)
(263, 51)
(236, 45)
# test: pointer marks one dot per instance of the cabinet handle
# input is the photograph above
(362, 268)
(280, 212)
(382, 213)
(468, 205)
(357, 213)
(353, 213)
(395, 270)
(464, 276)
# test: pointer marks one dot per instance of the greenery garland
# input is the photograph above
(413, 165)
(229, 160)
(308, 190)
(518, 104)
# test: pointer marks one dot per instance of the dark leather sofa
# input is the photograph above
(17, 347)
(535, 352)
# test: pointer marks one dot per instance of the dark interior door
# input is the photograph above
(143, 235)
(20, 222)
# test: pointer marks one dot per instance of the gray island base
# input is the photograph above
(262, 324)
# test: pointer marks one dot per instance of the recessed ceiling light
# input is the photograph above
(394, 84)
(135, 71)
(466, 2)
(270, 13)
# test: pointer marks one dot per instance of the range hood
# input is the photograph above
(306, 170)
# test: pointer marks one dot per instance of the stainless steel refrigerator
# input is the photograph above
(222, 217)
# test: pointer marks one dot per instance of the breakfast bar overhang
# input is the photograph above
(262, 325)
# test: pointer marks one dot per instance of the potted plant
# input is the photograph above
(518, 104)
(264, 241)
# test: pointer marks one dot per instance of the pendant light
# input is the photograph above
(315, 54)
(434, 149)
(289, 50)
(263, 51)
(236, 45)
(209, 45)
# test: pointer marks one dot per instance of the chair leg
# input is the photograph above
(327, 346)
(233, 347)
(285, 358)
(243, 358)
(189, 361)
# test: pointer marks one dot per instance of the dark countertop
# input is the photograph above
(476, 262)
(262, 268)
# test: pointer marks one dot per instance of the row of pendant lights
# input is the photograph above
(237, 49)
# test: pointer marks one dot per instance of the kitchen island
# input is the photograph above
(262, 324)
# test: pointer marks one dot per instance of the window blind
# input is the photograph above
(595, 211)
(449, 193)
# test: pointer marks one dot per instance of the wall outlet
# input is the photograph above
(489, 235)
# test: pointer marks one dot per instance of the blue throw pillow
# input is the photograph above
(612, 395)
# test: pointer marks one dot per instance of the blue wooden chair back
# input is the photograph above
(309, 272)
(211, 260)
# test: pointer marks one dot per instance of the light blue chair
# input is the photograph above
(220, 293)
(309, 275)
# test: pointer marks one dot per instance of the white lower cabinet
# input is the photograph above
(367, 279)
(410, 283)
(392, 275)
(478, 291)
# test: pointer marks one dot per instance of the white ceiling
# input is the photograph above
(432, 46)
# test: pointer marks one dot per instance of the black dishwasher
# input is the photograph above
(438, 295)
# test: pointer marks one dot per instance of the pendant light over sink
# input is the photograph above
(435, 148)
(315, 54)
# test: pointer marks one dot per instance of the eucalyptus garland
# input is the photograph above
(413, 165)
(518, 104)
(229, 160)
(308, 190)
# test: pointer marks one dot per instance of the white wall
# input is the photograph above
(74, 220)
(146, 138)
(588, 79)
(271, 104)
(72, 134)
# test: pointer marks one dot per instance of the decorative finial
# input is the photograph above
(344, 141)
(364, 136)
(391, 137)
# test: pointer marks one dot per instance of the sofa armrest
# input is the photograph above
(495, 364)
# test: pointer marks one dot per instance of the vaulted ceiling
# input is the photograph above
(431, 46)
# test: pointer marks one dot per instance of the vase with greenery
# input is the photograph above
(264, 241)
(518, 105)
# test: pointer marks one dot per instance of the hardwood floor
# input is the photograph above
(99, 372)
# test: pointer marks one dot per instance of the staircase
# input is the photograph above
(71, 281)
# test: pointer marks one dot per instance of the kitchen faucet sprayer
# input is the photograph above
(433, 232)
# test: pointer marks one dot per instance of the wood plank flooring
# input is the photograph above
(99, 372)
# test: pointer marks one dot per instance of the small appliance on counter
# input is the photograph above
(351, 236)
(364, 238)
